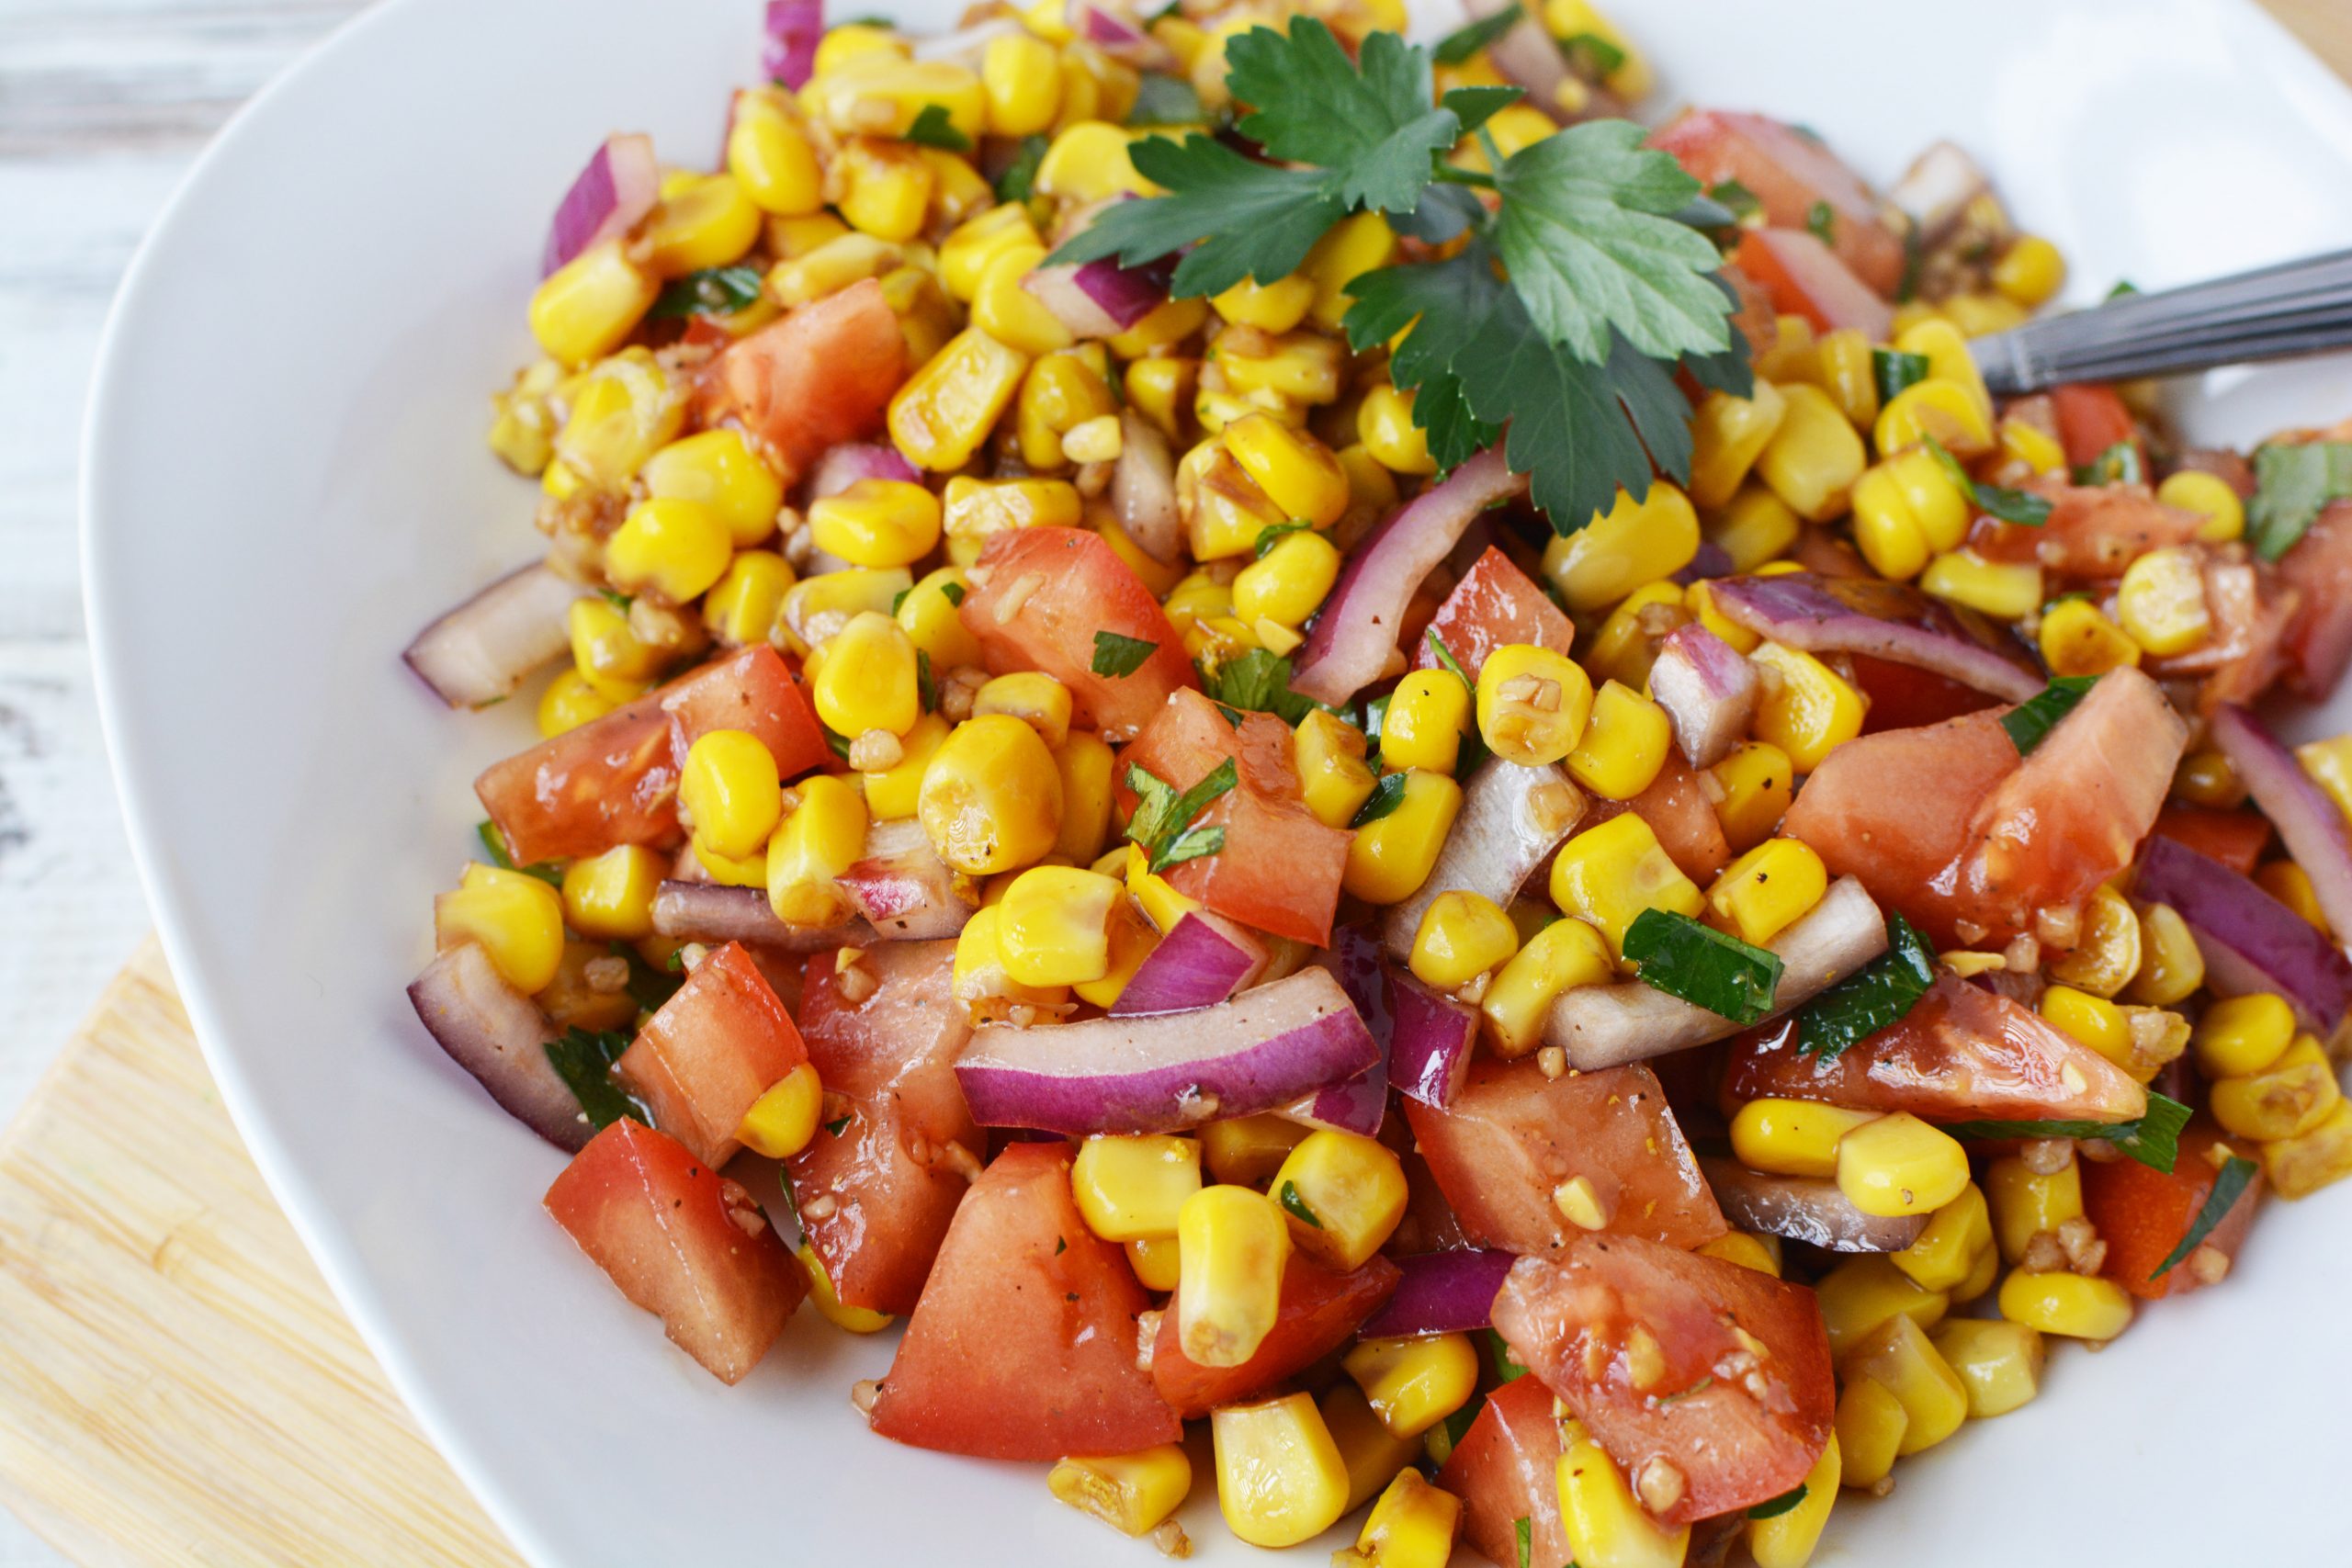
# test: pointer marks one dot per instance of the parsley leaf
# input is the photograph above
(1117, 655)
(713, 291)
(1445, 657)
(1508, 1367)
(1592, 56)
(1019, 177)
(584, 1062)
(2153, 1139)
(953, 592)
(2019, 506)
(649, 987)
(1877, 995)
(1250, 219)
(1385, 797)
(1821, 222)
(2119, 465)
(2228, 1183)
(1773, 1507)
(1465, 42)
(1736, 199)
(1703, 966)
(2290, 485)
(931, 127)
(1273, 533)
(1258, 681)
(1162, 821)
(1296, 1206)
(1896, 372)
(1472, 750)
(493, 843)
(1523, 1528)
(1162, 99)
(2034, 718)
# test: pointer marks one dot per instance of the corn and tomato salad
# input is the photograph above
(1287, 969)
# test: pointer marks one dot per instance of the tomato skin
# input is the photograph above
(1279, 869)
(1494, 605)
(2091, 419)
(1512, 1136)
(1061, 587)
(822, 376)
(2318, 571)
(681, 1241)
(2142, 1214)
(613, 780)
(1805, 278)
(2236, 839)
(2094, 532)
(1738, 1435)
(1788, 173)
(1024, 1345)
(1320, 1307)
(892, 1057)
(751, 690)
(712, 1049)
(1506, 1468)
(1903, 696)
(1677, 810)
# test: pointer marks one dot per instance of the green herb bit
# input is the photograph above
(713, 291)
(584, 1062)
(1896, 372)
(1445, 655)
(2153, 1139)
(2031, 722)
(1257, 681)
(1873, 998)
(2018, 506)
(2123, 287)
(1741, 202)
(838, 744)
(1659, 1400)
(1773, 1507)
(1119, 656)
(2119, 465)
(1061, 1245)
(1524, 1529)
(649, 987)
(1273, 533)
(953, 592)
(1161, 823)
(615, 598)
(926, 689)
(2291, 486)
(1019, 177)
(493, 843)
(1465, 42)
(1162, 99)
(1821, 222)
(1508, 1367)
(1296, 1206)
(834, 1128)
(1592, 57)
(1385, 797)
(2229, 1184)
(931, 127)
(897, 599)
(1703, 966)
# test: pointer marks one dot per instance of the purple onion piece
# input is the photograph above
(1707, 691)
(902, 888)
(794, 29)
(1098, 299)
(1806, 1209)
(2251, 941)
(1161, 1074)
(1712, 561)
(609, 197)
(843, 466)
(482, 650)
(1143, 488)
(1511, 819)
(712, 913)
(499, 1035)
(1885, 620)
(1202, 961)
(1434, 1038)
(1442, 1292)
(1358, 1104)
(2308, 822)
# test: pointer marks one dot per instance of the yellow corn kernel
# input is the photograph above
(1428, 714)
(979, 974)
(2078, 1306)
(2030, 271)
(1869, 1431)
(1280, 1478)
(1034, 697)
(1998, 1363)
(1759, 893)
(1136, 1493)
(2162, 603)
(2285, 1100)
(1805, 709)
(1389, 859)
(1945, 1253)
(1814, 457)
(1412, 1525)
(1847, 374)
(1062, 391)
(853, 1320)
(1863, 1292)
(718, 469)
(610, 895)
(1979, 315)
(2077, 638)
(1356, 246)
(1161, 902)
(1792, 1137)
(2171, 965)
(1159, 333)
(1791, 357)
(1605, 1523)
(2026, 443)
(1009, 313)
(1565, 953)
(1054, 925)
(2205, 778)
(781, 1120)
(1626, 646)
(1087, 163)
(2210, 498)
(1533, 704)
(1292, 468)
(2025, 1203)
(977, 510)
(517, 919)
(1412, 1384)
(771, 157)
(947, 408)
(857, 40)
(1756, 782)
(1248, 1150)
(893, 793)
(796, 236)
(1161, 388)
(1233, 1244)
(817, 841)
(876, 522)
(991, 799)
(1462, 935)
(1624, 746)
(1096, 440)
(1754, 527)
(1898, 1356)
(709, 223)
(926, 612)
(1225, 512)
(2242, 1035)
(571, 700)
(730, 791)
(1155, 1261)
(1087, 766)
(2301, 1166)
(1371, 1452)
(1384, 424)
(1787, 1539)
(1289, 582)
(1022, 75)
(2105, 954)
(1275, 307)
(622, 412)
(878, 93)
(588, 307)
(1632, 543)
(2291, 886)
(1945, 348)
(2007, 591)
(1761, 1252)
(829, 267)
(1353, 1186)
(1330, 754)
(1567, 19)
(1611, 874)
(1727, 435)
(1130, 1188)
(957, 191)
(1938, 408)
(1294, 370)
(673, 549)
(2093, 1020)
(1132, 940)
(964, 256)
(867, 678)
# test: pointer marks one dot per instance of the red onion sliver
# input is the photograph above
(1807, 1209)
(609, 197)
(1143, 488)
(1511, 819)
(1358, 1104)
(843, 466)
(710, 912)
(794, 28)
(482, 650)
(1885, 620)
(2251, 941)
(903, 888)
(1202, 961)
(499, 1035)
(2308, 822)
(1434, 1035)
(1442, 1292)
(1707, 691)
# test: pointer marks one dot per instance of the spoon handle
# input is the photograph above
(2274, 312)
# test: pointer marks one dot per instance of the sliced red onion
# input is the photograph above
(1511, 819)
(497, 1033)
(1119, 37)
(794, 28)
(1712, 561)
(2251, 941)
(1099, 299)
(1885, 620)
(1442, 1292)
(1162, 1074)
(1805, 1209)
(846, 464)
(1434, 1034)
(1356, 630)
(1707, 691)
(1358, 1104)
(1937, 188)
(1202, 961)
(709, 912)
(1526, 54)
(1143, 488)
(902, 888)
(616, 189)
(482, 650)
(2308, 822)
(1607, 1026)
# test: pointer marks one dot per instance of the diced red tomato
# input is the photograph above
(717, 1044)
(1805, 278)
(1753, 319)
(1962, 1053)
(681, 1241)
(892, 1058)
(822, 376)
(1024, 1345)
(749, 689)
(613, 780)
(1506, 1468)
(1677, 810)
(1788, 173)
(2093, 532)
(1049, 592)
(1737, 1440)
(1320, 1307)
(1903, 696)
(1513, 1136)
(2318, 571)
(2142, 1214)
(2236, 839)
(2091, 421)
(1280, 868)
(1494, 605)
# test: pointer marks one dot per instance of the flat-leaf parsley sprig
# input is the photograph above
(1582, 281)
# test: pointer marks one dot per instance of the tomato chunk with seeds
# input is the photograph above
(1320, 1308)
(611, 782)
(879, 1182)
(720, 1042)
(681, 1241)
(1677, 1358)
(1495, 605)
(1791, 173)
(822, 376)
(1506, 1468)
(2143, 1214)
(1511, 1136)
(1805, 278)
(1024, 1345)
(1046, 593)
(752, 690)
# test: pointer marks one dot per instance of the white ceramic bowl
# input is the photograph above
(286, 478)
